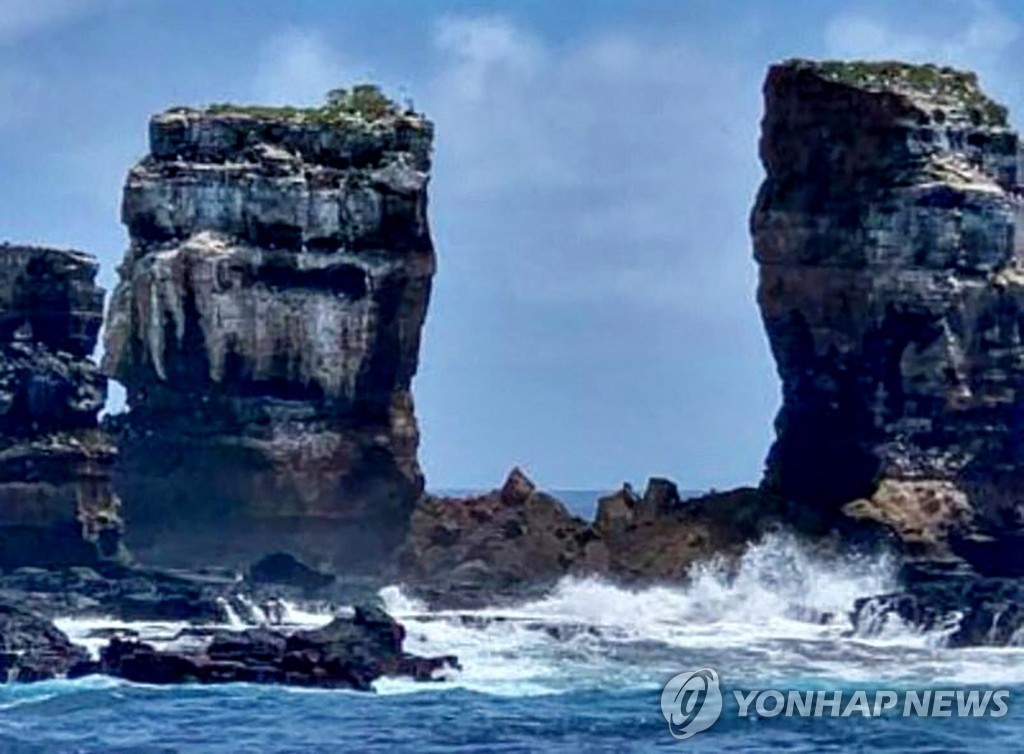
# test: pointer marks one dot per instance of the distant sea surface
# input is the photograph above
(593, 685)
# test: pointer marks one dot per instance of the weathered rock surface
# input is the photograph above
(517, 542)
(267, 327)
(659, 537)
(128, 594)
(888, 234)
(56, 503)
(282, 569)
(348, 653)
(510, 543)
(951, 600)
(33, 649)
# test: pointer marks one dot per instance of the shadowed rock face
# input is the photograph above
(56, 504)
(888, 234)
(267, 328)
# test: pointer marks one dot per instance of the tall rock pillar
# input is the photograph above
(888, 232)
(267, 329)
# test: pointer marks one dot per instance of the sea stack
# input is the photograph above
(56, 503)
(888, 232)
(267, 327)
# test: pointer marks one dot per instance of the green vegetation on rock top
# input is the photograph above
(946, 86)
(362, 102)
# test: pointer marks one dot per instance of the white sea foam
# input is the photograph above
(780, 616)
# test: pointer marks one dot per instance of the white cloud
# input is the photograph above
(297, 67)
(481, 48)
(976, 34)
(21, 17)
(618, 168)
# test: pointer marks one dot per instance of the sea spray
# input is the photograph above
(778, 614)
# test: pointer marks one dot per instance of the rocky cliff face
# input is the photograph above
(267, 327)
(56, 504)
(888, 234)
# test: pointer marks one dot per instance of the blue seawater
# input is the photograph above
(580, 670)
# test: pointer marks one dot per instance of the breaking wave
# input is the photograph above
(781, 616)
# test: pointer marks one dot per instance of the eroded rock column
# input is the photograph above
(267, 329)
(56, 502)
(888, 234)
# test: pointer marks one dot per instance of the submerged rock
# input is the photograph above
(888, 235)
(56, 502)
(267, 327)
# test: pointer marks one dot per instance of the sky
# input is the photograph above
(593, 317)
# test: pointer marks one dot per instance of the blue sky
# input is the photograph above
(594, 315)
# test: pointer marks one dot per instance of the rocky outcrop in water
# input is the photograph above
(888, 235)
(267, 327)
(510, 543)
(56, 503)
(517, 542)
(33, 649)
(348, 653)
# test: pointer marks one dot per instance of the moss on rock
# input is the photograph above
(364, 102)
(947, 87)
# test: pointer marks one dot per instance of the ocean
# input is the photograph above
(580, 670)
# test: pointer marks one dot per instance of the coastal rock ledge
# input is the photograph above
(266, 327)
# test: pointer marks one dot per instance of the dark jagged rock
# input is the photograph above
(267, 327)
(129, 594)
(348, 653)
(511, 542)
(659, 536)
(516, 542)
(56, 503)
(888, 234)
(282, 569)
(971, 611)
(33, 649)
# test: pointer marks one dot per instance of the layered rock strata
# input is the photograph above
(56, 502)
(266, 327)
(888, 236)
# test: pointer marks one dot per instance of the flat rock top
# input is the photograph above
(928, 86)
(355, 128)
(258, 118)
